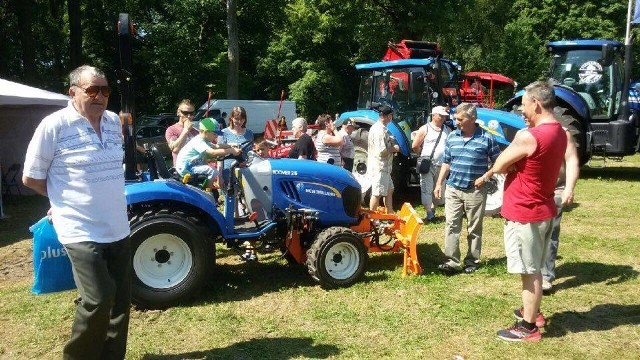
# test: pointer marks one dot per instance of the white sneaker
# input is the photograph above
(546, 285)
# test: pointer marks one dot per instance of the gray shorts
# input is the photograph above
(525, 245)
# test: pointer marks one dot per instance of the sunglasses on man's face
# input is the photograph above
(186, 113)
(92, 91)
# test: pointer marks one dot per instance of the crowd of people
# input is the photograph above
(88, 207)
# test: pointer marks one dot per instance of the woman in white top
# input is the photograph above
(328, 142)
(426, 138)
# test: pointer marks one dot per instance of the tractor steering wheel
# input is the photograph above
(244, 148)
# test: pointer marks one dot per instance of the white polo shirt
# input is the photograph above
(85, 179)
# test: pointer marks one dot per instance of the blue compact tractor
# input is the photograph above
(309, 211)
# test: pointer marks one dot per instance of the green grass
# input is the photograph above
(270, 310)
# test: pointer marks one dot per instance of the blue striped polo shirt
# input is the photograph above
(469, 159)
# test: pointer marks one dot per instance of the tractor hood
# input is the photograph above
(369, 117)
(501, 124)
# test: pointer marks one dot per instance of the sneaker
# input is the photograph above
(248, 256)
(431, 215)
(546, 285)
(540, 320)
(519, 333)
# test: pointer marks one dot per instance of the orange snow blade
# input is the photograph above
(409, 228)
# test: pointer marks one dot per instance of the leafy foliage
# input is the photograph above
(308, 48)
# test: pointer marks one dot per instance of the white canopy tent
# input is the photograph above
(22, 108)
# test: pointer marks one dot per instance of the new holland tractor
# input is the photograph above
(412, 78)
(592, 96)
(309, 210)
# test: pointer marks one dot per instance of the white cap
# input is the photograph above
(440, 110)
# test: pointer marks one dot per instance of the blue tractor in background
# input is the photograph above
(413, 78)
(593, 97)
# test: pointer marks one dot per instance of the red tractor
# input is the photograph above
(486, 89)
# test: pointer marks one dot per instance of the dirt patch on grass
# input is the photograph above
(16, 262)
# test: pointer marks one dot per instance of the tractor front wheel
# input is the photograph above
(337, 258)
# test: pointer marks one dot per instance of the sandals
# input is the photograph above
(446, 268)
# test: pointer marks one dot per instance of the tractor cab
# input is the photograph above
(594, 70)
(410, 87)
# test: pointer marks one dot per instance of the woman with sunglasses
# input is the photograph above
(180, 133)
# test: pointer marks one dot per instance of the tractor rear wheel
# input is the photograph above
(337, 258)
(172, 256)
(571, 123)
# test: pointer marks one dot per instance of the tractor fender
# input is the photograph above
(366, 118)
(565, 97)
(173, 191)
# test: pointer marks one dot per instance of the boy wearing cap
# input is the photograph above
(192, 157)
(380, 152)
(429, 140)
(347, 151)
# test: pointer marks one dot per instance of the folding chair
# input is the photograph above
(10, 179)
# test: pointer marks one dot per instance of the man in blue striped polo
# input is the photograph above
(468, 152)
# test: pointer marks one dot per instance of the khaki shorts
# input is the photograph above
(525, 245)
(381, 184)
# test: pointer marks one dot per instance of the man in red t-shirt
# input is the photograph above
(532, 163)
(180, 133)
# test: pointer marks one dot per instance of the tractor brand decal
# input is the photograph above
(285, 172)
(492, 127)
(323, 190)
(590, 72)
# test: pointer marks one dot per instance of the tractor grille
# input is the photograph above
(289, 189)
(351, 200)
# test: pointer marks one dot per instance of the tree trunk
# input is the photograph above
(233, 53)
(75, 33)
(24, 11)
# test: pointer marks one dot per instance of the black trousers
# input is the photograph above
(103, 276)
(347, 163)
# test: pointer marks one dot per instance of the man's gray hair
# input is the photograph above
(468, 109)
(543, 92)
(300, 122)
(76, 74)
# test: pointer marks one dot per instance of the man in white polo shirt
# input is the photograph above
(75, 159)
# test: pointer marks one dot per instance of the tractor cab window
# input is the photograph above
(583, 71)
(449, 82)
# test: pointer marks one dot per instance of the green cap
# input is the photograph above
(209, 124)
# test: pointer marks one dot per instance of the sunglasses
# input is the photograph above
(187, 113)
(92, 91)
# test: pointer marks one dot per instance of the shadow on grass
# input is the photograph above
(265, 348)
(580, 273)
(611, 172)
(21, 212)
(235, 282)
(600, 318)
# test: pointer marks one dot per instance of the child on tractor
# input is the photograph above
(192, 157)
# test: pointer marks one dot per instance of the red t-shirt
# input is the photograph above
(528, 192)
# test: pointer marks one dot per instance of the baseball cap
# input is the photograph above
(385, 110)
(440, 110)
(349, 122)
(209, 124)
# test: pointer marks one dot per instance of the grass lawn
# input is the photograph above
(269, 310)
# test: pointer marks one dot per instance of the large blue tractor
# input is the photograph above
(413, 78)
(592, 96)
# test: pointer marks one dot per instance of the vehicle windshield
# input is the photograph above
(584, 72)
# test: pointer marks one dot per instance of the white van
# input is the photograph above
(258, 112)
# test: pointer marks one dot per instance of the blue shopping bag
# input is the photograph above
(51, 266)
